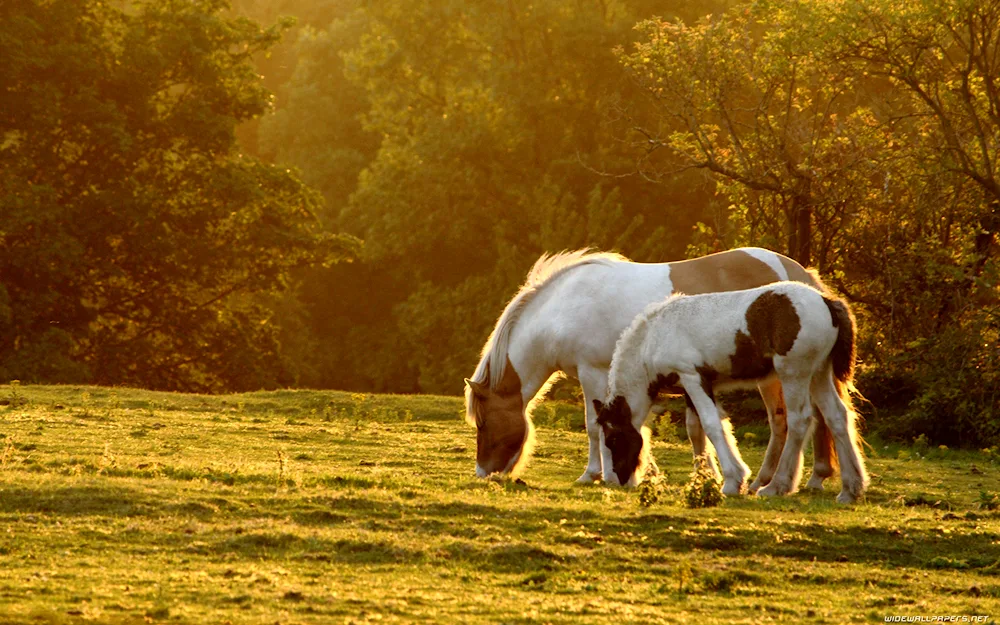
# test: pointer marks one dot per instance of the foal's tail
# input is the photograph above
(842, 358)
(843, 354)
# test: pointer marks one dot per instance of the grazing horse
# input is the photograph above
(567, 317)
(704, 343)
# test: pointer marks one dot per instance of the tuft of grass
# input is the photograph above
(703, 490)
(988, 500)
(650, 491)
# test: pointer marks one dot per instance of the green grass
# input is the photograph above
(127, 506)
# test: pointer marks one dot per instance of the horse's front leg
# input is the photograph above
(734, 470)
(595, 386)
(699, 443)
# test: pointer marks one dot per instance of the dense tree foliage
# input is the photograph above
(460, 140)
(135, 236)
(868, 132)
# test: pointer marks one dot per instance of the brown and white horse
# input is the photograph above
(706, 343)
(568, 316)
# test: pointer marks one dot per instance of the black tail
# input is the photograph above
(843, 353)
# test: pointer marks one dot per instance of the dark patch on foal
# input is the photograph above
(622, 439)
(708, 376)
(773, 325)
(661, 383)
(749, 363)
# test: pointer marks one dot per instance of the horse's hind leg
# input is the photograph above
(840, 420)
(770, 392)
(789, 471)
(696, 434)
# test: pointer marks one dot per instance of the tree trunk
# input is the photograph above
(800, 229)
(990, 224)
(804, 227)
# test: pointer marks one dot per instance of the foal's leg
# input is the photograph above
(770, 392)
(854, 477)
(699, 446)
(734, 470)
(789, 471)
(595, 385)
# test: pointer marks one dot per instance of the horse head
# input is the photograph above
(502, 429)
(620, 436)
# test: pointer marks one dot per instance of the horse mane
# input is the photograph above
(546, 270)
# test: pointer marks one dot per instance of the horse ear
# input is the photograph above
(480, 390)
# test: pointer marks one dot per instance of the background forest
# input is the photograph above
(183, 182)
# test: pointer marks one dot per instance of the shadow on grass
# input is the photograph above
(77, 501)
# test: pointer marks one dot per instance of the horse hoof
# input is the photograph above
(771, 490)
(845, 498)
(755, 486)
(815, 482)
(589, 477)
(732, 488)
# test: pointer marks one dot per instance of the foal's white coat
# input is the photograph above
(687, 336)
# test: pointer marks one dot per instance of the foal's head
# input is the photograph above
(620, 436)
(503, 432)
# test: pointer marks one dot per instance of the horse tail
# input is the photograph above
(844, 351)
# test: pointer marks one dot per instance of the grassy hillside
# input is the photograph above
(127, 506)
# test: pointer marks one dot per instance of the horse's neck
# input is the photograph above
(533, 369)
(629, 373)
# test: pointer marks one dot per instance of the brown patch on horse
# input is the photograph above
(773, 323)
(510, 382)
(504, 428)
(732, 270)
(798, 273)
(772, 327)
(662, 383)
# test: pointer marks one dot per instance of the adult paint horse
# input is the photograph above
(567, 317)
(706, 343)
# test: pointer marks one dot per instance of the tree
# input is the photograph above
(136, 239)
(944, 57)
(747, 96)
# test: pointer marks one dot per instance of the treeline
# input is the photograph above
(167, 223)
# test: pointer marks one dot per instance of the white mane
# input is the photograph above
(545, 270)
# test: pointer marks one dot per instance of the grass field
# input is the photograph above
(126, 506)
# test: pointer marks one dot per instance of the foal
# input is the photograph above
(715, 341)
